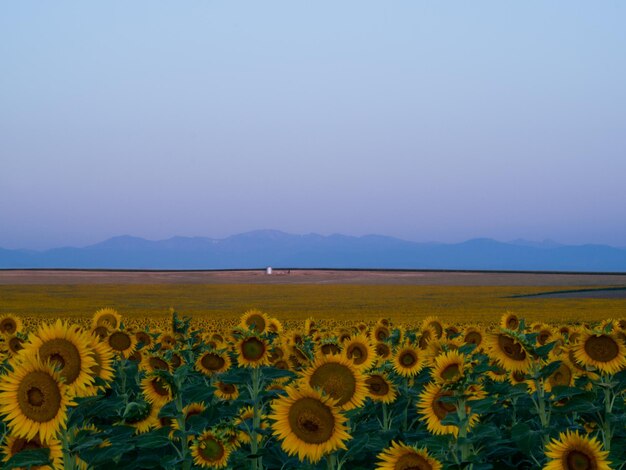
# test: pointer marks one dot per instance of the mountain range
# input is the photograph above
(262, 248)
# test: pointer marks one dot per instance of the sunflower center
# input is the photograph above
(210, 449)
(8, 326)
(39, 397)
(212, 361)
(109, 319)
(382, 334)
(473, 337)
(64, 355)
(119, 341)
(577, 460)
(336, 380)
(311, 420)
(101, 331)
(15, 344)
(227, 388)
(451, 372)
(21, 444)
(176, 361)
(412, 461)
(160, 387)
(256, 322)
(383, 350)
(408, 358)
(330, 348)
(442, 408)
(512, 323)
(601, 348)
(377, 385)
(158, 364)
(562, 376)
(357, 354)
(511, 348)
(253, 349)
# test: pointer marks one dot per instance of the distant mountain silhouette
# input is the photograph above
(274, 248)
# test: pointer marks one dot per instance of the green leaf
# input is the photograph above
(29, 458)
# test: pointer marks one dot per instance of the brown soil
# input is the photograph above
(20, 277)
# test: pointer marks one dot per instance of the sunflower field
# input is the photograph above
(262, 394)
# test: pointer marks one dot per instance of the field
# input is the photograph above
(340, 370)
(403, 297)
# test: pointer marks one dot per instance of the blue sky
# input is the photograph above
(422, 120)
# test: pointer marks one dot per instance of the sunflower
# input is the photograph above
(448, 367)
(381, 333)
(508, 352)
(383, 351)
(380, 388)
(106, 317)
(408, 360)
(274, 326)
(226, 391)
(329, 347)
(68, 349)
(100, 332)
(122, 343)
(146, 419)
(544, 334)
(473, 335)
(602, 351)
(563, 376)
(308, 424)
(152, 362)
(403, 457)
(252, 352)
(167, 341)
(10, 324)
(509, 321)
(209, 451)
(34, 399)
(434, 324)
(192, 409)
(571, 451)
(337, 377)
(143, 338)
(433, 410)
(254, 320)
(213, 362)
(360, 352)
(14, 445)
(156, 390)
(15, 344)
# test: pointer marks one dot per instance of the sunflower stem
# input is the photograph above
(386, 423)
(463, 425)
(607, 432)
(180, 419)
(257, 463)
(331, 462)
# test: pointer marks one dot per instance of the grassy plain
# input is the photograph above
(402, 303)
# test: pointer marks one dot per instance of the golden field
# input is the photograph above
(402, 303)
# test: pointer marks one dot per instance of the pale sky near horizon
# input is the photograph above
(422, 120)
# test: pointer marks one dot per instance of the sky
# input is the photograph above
(428, 121)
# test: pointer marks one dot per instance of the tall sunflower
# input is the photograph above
(34, 399)
(434, 324)
(380, 388)
(434, 409)
(448, 367)
(107, 317)
(403, 457)
(602, 351)
(360, 352)
(338, 378)
(213, 362)
(254, 320)
(68, 349)
(10, 324)
(209, 451)
(571, 451)
(508, 352)
(252, 351)
(156, 390)
(226, 391)
(408, 360)
(308, 424)
(509, 321)
(122, 343)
